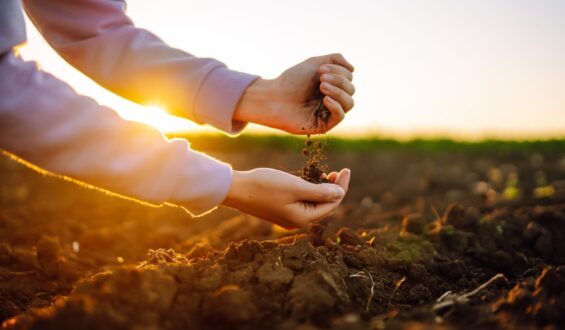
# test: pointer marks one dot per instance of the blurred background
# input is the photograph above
(460, 69)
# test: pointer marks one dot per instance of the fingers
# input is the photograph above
(339, 81)
(336, 83)
(320, 211)
(340, 60)
(327, 192)
(321, 193)
(336, 110)
(332, 177)
(343, 179)
(337, 94)
(335, 69)
(318, 202)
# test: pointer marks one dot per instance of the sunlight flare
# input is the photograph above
(158, 117)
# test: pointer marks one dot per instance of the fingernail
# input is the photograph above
(339, 192)
(327, 77)
(325, 68)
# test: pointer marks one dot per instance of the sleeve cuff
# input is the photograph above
(218, 98)
(202, 185)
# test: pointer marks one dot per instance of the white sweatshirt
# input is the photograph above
(45, 123)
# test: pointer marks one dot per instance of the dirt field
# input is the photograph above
(432, 235)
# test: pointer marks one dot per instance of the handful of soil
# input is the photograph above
(314, 170)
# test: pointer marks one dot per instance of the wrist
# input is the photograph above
(236, 190)
(257, 103)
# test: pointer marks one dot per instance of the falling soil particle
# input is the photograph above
(314, 151)
(315, 170)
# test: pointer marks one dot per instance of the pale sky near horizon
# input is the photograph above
(466, 68)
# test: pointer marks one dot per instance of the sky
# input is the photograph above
(466, 69)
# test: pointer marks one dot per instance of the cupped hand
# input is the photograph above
(285, 199)
(288, 102)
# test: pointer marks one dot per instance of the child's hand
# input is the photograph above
(288, 102)
(285, 199)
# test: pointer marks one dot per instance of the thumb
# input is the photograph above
(343, 179)
(322, 193)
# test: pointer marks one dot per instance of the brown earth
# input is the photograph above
(424, 239)
(315, 169)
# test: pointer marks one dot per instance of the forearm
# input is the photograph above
(45, 123)
(258, 103)
(98, 38)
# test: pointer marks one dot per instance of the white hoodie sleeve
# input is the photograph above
(44, 122)
(99, 39)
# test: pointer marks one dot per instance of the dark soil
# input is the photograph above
(423, 240)
(315, 169)
(321, 113)
(314, 151)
